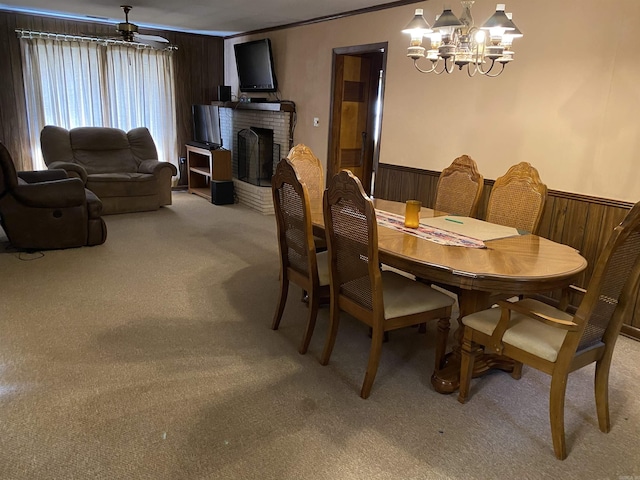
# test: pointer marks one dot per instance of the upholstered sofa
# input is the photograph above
(121, 168)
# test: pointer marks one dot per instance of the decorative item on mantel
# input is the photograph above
(456, 41)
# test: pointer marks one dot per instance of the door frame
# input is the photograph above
(382, 48)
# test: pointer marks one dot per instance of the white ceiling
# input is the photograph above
(209, 17)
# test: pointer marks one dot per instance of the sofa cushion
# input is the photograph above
(102, 150)
(142, 144)
(106, 161)
(122, 184)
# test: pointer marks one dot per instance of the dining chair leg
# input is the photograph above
(374, 361)
(385, 338)
(467, 357)
(602, 393)
(556, 414)
(334, 321)
(442, 336)
(516, 373)
(314, 304)
(284, 289)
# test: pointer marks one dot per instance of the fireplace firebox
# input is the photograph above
(256, 153)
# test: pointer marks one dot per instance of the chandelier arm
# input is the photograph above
(495, 74)
(452, 65)
(475, 69)
(432, 69)
(487, 71)
(443, 70)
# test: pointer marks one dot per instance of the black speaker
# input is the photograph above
(221, 192)
(224, 93)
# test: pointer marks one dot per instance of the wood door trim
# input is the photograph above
(381, 47)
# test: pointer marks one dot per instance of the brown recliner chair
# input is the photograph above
(47, 210)
(121, 168)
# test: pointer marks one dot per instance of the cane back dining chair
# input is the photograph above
(383, 300)
(557, 342)
(459, 188)
(517, 198)
(309, 170)
(299, 262)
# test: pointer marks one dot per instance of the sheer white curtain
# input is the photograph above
(75, 83)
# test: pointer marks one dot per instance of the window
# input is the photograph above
(74, 82)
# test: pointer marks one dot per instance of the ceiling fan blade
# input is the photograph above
(101, 35)
(139, 37)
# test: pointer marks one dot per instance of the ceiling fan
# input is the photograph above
(129, 32)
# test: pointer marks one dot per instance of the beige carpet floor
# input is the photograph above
(151, 357)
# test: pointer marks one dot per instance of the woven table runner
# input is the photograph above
(436, 235)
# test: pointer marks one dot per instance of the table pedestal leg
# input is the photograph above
(447, 379)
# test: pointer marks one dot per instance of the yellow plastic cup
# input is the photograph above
(412, 213)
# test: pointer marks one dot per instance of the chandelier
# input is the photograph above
(454, 41)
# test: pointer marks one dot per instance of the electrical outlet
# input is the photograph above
(316, 121)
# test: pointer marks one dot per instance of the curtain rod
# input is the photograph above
(83, 38)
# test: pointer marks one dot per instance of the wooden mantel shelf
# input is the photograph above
(268, 106)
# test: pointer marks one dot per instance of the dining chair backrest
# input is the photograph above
(291, 208)
(517, 198)
(350, 222)
(459, 188)
(309, 170)
(613, 286)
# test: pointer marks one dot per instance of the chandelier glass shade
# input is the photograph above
(455, 41)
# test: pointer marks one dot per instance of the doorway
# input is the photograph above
(356, 111)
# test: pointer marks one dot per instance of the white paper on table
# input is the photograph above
(470, 227)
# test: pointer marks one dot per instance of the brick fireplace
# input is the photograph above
(268, 116)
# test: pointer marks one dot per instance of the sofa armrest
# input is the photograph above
(154, 166)
(56, 194)
(73, 170)
(43, 175)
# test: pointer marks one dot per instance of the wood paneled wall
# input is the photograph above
(580, 221)
(199, 69)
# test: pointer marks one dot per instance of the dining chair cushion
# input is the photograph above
(403, 296)
(322, 259)
(525, 333)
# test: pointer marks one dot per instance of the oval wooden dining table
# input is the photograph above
(520, 264)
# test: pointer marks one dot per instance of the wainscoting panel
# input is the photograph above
(580, 221)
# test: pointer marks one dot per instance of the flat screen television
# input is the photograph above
(254, 62)
(206, 126)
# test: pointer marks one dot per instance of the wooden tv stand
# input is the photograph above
(205, 165)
